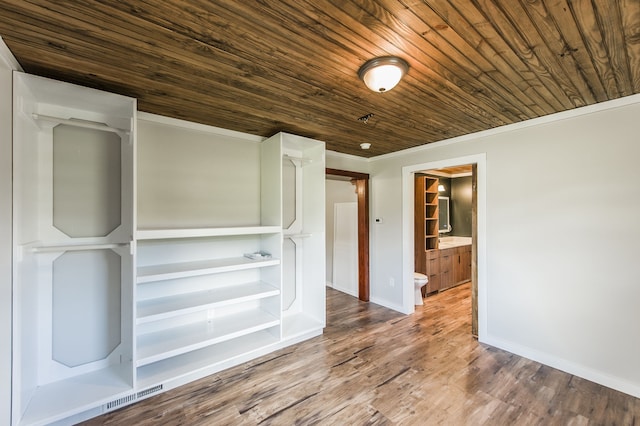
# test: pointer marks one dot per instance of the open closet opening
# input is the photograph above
(345, 211)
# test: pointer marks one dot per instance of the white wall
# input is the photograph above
(199, 162)
(352, 163)
(7, 63)
(561, 278)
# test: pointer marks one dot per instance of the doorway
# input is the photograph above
(479, 313)
(445, 210)
(360, 181)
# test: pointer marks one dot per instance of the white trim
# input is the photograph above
(408, 232)
(169, 121)
(8, 58)
(447, 175)
(551, 118)
(566, 366)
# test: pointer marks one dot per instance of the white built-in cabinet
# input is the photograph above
(303, 216)
(73, 225)
(150, 252)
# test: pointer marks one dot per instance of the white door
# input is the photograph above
(345, 248)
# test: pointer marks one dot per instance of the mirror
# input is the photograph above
(443, 215)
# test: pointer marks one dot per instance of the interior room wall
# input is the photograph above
(337, 191)
(352, 163)
(166, 168)
(560, 278)
(461, 197)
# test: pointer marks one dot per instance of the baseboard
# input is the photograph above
(387, 304)
(346, 291)
(587, 373)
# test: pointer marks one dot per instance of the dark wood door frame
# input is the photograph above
(361, 181)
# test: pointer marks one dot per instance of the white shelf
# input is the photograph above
(64, 398)
(168, 343)
(204, 361)
(200, 267)
(158, 234)
(171, 306)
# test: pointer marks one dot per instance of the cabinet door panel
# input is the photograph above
(433, 284)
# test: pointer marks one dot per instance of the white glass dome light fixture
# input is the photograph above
(384, 73)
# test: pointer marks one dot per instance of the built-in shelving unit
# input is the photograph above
(199, 267)
(61, 399)
(187, 303)
(426, 219)
(196, 364)
(73, 278)
(161, 234)
(170, 342)
(146, 259)
(303, 225)
(171, 306)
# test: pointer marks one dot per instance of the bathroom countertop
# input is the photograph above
(450, 242)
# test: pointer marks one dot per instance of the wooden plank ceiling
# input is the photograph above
(291, 65)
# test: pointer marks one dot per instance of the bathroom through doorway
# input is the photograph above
(448, 246)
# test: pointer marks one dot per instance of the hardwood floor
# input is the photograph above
(373, 366)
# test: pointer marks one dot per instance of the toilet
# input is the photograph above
(419, 280)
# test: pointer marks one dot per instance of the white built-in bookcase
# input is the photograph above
(131, 235)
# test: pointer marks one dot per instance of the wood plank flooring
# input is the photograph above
(374, 366)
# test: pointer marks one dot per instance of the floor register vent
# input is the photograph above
(130, 398)
(118, 402)
(149, 391)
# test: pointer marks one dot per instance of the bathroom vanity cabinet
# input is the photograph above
(447, 267)
(150, 252)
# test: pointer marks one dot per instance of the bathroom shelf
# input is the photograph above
(426, 219)
(156, 346)
(171, 306)
(199, 267)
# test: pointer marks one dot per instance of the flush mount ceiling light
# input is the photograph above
(365, 145)
(382, 74)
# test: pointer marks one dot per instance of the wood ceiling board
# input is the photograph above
(292, 65)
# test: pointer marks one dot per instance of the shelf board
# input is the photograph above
(58, 400)
(201, 267)
(203, 361)
(174, 341)
(158, 234)
(167, 307)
